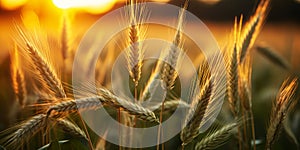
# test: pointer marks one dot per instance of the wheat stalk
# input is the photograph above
(101, 142)
(216, 138)
(281, 107)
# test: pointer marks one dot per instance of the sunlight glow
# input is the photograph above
(91, 6)
(12, 4)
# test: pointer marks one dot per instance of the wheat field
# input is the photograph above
(260, 108)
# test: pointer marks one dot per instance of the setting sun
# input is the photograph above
(92, 6)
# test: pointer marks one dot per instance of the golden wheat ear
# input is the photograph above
(282, 105)
(106, 97)
(196, 113)
(136, 34)
(252, 28)
(18, 78)
(41, 65)
(232, 71)
(174, 52)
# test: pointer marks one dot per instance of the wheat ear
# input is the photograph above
(252, 28)
(169, 73)
(216, 138)
(281, 107)
(232, 83)
(65, 107)
(170, 106)
(132, 108)
(196, 113)
(25, 131)
(46, 71)
(69, 128)
(18, 79)
(135, 54)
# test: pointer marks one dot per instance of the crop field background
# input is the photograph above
(259, 43)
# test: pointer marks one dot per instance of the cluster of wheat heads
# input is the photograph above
(54, 120)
